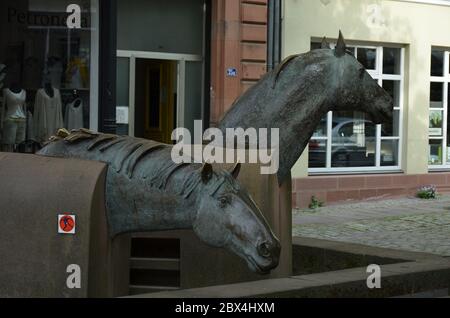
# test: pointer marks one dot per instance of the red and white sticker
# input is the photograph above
(66, 224)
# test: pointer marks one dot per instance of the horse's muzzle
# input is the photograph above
(269, 251)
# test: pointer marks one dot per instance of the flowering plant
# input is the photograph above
(427, 192)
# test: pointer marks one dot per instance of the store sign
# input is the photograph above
(66, 224)
(72, 18)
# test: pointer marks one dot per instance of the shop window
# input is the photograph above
(349, 141)
(48, 82)
(437, 62)
(439, 144)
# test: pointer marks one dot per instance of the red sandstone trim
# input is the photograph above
(342, 189)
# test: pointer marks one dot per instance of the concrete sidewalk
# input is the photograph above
(407, 224)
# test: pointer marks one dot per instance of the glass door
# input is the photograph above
(157, 92)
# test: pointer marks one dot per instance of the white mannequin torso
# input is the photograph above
(74, 115)
(15, 104)
(47, 116)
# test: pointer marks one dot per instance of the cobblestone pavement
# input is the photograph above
(406, 224)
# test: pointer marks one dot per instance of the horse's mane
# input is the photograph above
(124, 154)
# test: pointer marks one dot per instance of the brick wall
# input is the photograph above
(340, 189)
(239, 40)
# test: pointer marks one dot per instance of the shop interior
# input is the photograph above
(45, 74)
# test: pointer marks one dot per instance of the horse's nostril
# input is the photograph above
(264, 250)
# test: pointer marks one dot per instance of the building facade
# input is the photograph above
(404, 46)
(145, 67)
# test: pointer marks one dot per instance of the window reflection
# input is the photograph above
(391, 60)
(393, 88)
(367, 57)
(436, 95)
(392, 129)
(317, 153)
(321, 130)
(437, 63)
(353, 140)
(436, 123)
(389, 153)
(436, 153)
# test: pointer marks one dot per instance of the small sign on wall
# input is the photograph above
(66, 224)
(232, 72)
(122, 115)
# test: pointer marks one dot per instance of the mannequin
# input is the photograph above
(47, 117)
(13, 116)
(74, 113)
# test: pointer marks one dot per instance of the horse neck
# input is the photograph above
(295, 111)
(151, 208)
(183, 212)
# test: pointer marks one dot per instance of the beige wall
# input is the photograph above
(416, 26)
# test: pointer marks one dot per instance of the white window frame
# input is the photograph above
(445, 80)
(378, 75)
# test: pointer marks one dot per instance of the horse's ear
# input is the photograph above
(236, 170)
(207, 172)
(341, 48)
(325, 44)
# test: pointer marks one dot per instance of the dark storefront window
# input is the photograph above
(50, 70)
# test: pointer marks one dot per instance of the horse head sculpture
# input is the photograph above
(301, 91)
(146, 191)
(228, 217)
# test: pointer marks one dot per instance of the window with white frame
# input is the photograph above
(439, 144)
(348, 141)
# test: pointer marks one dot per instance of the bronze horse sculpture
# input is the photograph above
(146, 191)
(300, 92)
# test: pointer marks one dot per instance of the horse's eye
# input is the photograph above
(224, 201)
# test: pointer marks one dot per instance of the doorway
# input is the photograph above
(155, 99)
(148, 79)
